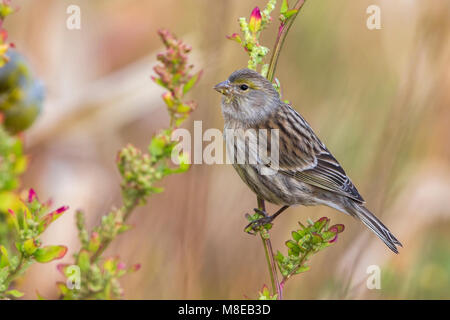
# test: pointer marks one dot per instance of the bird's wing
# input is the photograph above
(304, 157)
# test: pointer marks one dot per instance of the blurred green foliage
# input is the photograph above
(13, 163)
(428, 276)
(29, 222)
(21, 95)
(21, 222)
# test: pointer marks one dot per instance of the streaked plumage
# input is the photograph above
(307, 173)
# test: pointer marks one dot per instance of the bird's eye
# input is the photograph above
(243, 87)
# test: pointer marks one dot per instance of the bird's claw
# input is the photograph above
(256, 225)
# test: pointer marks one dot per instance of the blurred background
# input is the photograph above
(379, 99)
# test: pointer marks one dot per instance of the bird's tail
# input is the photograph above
(362, 213)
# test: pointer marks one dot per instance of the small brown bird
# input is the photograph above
(306, 172)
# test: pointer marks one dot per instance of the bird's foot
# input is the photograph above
(259, 221)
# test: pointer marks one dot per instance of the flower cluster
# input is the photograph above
(140, 171)
(175, 75)
(91, 280)
(251, 31)
(30, 220)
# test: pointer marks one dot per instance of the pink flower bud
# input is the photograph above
(255, 20)
(136, 267)
(31, 195)
(235, 37)
(168, 98)
(338, 228)
(62, 209)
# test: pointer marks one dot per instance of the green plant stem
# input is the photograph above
(269, 255)
(16, 270)
(282, 33)
(127, 212)
(300, 264)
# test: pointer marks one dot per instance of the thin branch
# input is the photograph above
(18, 268)
(269, 256)
(300, 264)
(127, 212)
(282, 33)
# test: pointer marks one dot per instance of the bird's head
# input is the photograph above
(247, 96)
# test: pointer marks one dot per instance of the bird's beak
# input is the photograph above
(223, 87)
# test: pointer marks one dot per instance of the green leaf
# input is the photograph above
(4, 273)
(279, 257)
(284, 7)
(338, 227)
(156, 147)
(302, 269)
(328, 235)
(63, 288)
(192, 81)
(292, 245)
(15, 293)
(155, 190)
(296, 236)
(290, 13)
(319, 224)
(183, 108)
(30, 246)
(83, 261)
(49, 253)
(158, 81)
(39, 296)
(4, 261)
(316, 238)
(126, 227)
